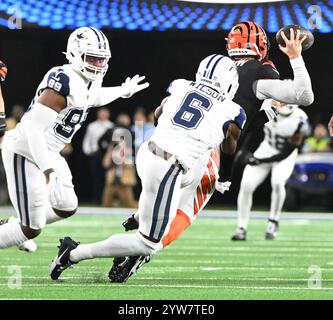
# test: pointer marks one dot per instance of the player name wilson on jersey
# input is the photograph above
(195, 119)
(207, 90)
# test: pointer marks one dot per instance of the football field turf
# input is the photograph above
(202, 264)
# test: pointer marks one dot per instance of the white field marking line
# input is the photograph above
(174, 279)
(171, 269)
(241, 254)
(207, 213)
(222, 249)
(109, 285)
(182, 246)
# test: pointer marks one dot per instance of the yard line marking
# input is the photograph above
(171, 286)
(84, 278)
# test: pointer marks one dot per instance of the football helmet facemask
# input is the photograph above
(88, 52)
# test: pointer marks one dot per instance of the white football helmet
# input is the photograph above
(219, 72)
(88, 52)
(287, 110)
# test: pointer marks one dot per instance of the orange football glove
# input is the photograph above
(3, 71)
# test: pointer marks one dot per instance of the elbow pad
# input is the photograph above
(306, 98)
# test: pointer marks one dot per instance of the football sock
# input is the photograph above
(277, 200)
(119, 245)
(244, 204)
(11, 234)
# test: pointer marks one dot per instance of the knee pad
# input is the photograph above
(70, 204)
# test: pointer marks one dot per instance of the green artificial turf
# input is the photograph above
(202, 264)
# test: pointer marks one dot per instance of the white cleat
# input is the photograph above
(28, 246)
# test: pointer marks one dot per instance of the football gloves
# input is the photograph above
(132, 86)
(57, 192)
(271, 113)
(222, 187)
(3, 71)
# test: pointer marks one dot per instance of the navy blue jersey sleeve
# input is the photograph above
(58, 81)
(240, 119)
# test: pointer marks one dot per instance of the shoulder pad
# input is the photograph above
(58, 81)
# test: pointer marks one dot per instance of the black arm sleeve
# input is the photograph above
(259, 121)
(285, 153)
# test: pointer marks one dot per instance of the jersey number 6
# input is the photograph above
(190, 114)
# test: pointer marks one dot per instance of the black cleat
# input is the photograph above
(240, 235)
(3, 221)
(272, 229)
(130, 223)
(61, 262)
(123, 268)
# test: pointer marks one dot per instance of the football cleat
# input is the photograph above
(272, 229)
(61, 262)
(28, 246)
(123, 268)
(130, 223)
(240, 235)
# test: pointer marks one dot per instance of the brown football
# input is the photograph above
(308, 42)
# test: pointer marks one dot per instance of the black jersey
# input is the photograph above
(250, 71)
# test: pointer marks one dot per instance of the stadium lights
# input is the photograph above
(234, 1)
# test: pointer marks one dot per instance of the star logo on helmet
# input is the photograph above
(81, 36)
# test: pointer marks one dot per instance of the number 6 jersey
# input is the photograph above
(79, 96)
(195, 119)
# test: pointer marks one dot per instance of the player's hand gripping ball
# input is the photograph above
(306, 44)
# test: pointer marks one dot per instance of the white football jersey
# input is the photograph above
(277, 132)
(195, 119)
(80, 98)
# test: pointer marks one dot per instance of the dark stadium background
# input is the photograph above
(161, 57)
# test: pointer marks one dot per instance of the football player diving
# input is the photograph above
(194, 119)
(248, 46)
(38, 177)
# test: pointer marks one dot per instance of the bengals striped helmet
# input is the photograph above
(248, 39)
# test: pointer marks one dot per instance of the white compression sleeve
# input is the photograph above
(297, 91)
(35, 123)
(108, 94)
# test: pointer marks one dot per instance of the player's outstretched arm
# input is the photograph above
(298, 91)
(3, 74)
(126, 90)
(330, 127)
